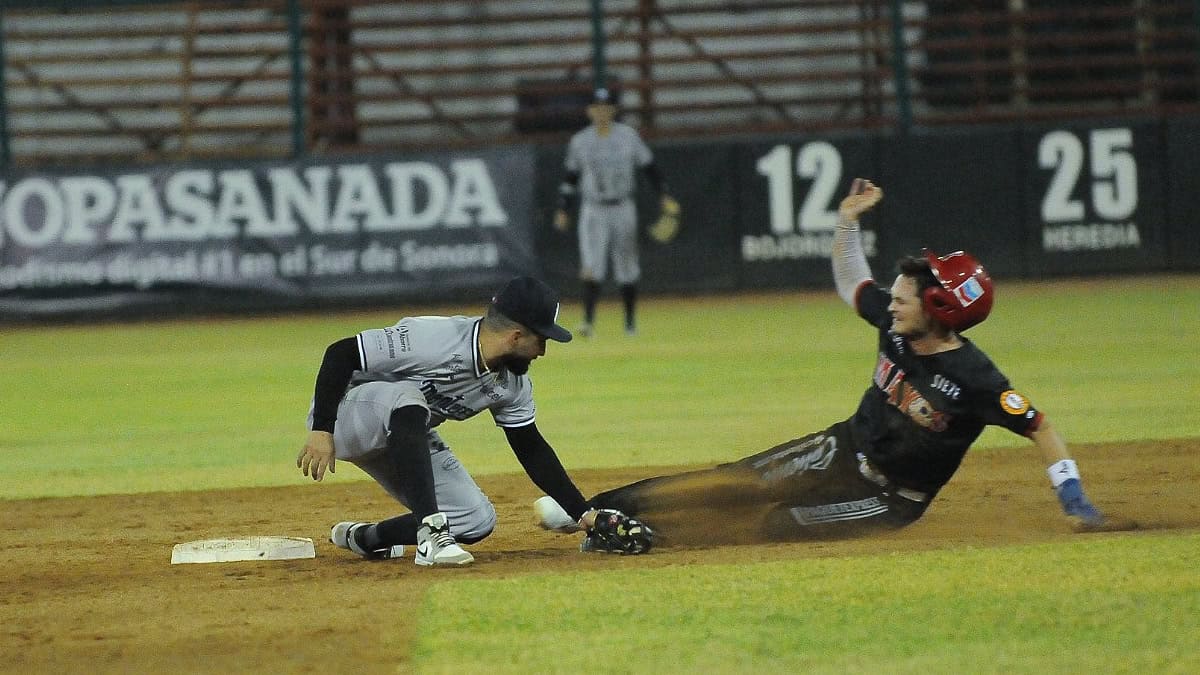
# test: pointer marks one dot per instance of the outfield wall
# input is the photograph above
(1101, 197)
(1034, 201)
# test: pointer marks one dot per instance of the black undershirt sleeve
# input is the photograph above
(545, 469)
(568, 190)
(340, 362)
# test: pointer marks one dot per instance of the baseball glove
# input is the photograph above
(615, 532)
(667, 226)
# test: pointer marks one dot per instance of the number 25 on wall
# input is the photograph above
(1113, 170)
(819, 162)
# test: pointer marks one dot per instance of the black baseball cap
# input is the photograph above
(532, 304)
(603, 96)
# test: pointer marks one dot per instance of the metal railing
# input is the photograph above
(136, 81)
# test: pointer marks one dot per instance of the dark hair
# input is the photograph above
(496, 321)
(918, 268)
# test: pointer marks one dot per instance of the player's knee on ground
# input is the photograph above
(474, 524)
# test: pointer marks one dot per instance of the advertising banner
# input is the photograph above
(1094, 197)
(281, 234)
(1183, 194)
(789, 189)
(1098, 197)
(702, 257)
(949, 191)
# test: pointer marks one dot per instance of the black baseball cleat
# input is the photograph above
(342, 535)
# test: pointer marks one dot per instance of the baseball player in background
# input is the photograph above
(931, 393)
(380, 395)
(601, 169)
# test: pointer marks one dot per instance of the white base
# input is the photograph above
(243, 548)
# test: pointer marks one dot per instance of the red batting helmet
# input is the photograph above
(964, 297)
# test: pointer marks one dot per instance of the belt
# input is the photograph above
(874, 475)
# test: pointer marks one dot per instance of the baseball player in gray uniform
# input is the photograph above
(601, 165)
(380, 396)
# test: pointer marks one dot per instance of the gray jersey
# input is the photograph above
(440, 354)
(432, 362)
(607, 166)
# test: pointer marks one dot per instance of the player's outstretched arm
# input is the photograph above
(850, 268)
(1068, 485)
(544, 468)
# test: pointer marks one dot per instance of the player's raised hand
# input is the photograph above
(317, 455)
(863, 196)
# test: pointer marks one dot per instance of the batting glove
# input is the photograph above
(1076, 504)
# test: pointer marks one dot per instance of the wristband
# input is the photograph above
(1062, 471)
(580, 522)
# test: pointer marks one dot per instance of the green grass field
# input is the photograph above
(1028, 609)
(192, 405)
(195, 405)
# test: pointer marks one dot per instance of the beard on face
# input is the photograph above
(913, 333)
(516, 365)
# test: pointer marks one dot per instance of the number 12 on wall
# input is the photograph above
(819, 162)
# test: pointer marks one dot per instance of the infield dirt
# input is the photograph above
(88, 585)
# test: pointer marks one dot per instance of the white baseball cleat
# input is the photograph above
(435, 544)
(552, 516)
(342, 536)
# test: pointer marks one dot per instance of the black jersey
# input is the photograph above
(921, 413)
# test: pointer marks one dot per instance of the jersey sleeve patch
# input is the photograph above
(1014, 403)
